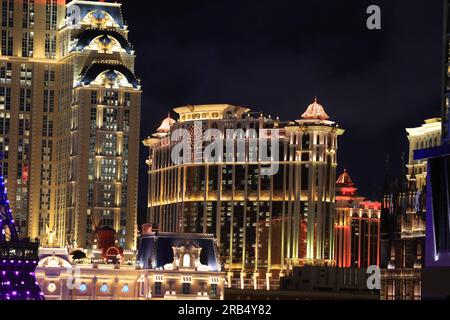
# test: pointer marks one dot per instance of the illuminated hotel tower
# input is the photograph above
(99, 121)
(263, 224)
(69, 119)
(29, 97)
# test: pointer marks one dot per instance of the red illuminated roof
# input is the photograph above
(344, 178)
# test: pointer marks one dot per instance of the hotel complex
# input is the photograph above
(264, 224)
(69, 120)
(218, 219)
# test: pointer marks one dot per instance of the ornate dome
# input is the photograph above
(315, 111)
(166, 124)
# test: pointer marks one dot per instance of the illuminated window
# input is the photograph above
(27, 44)
(5, 98)
(51, 287)
(83, 288)
(186, 261)
(50, 46)
(5, 72)
(104, 288)
(125, 289)
(51, 11)
(28, 14)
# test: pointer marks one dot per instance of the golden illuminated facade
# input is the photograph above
(98, 152)
(178, 271)
(264, 224)
(29, 98)
(428, 135)
(69, 120)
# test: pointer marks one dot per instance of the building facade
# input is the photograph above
(404, 220)
(169, 266)
(69, 120)
(29, 97)
(357, 228)
(264, 224)
(98, 149)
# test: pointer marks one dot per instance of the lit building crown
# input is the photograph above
(345, 179)
(166, 124)
(315, 111)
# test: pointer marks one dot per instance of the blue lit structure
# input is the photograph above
(18, 258)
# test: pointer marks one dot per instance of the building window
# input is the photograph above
(104, 288)
(186, 288)
(214, 290)
(4, 123)
(49, 100)
(25, 100)
(186, 261)
(27, 44)
(5, 98)
(110, 119)
(28, 14)
(49, 76)
(111, 98)
(5, 72)
(26, 75)
(126, 120)
(158, 288)
(93, 117)
(109, 145)
(4, 145)
(47, 127)
(51, 11)
(24, 125)
(127, 99)
(94, 97)
(7, 43)
(50, 46)
(8, 13)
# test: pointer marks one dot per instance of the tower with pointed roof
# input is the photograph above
(357, 227)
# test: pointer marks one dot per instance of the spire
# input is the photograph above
(412, 182)
(403, 180)
(345, 179)
(387, 185)
(315, 111)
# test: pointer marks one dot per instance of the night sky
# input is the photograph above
(275, 56)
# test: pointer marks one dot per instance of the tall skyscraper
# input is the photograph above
(29, 98)
(264, 224)
(69, 123)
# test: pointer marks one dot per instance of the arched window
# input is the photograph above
(186, 261)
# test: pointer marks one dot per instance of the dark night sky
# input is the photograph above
(275, 56)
